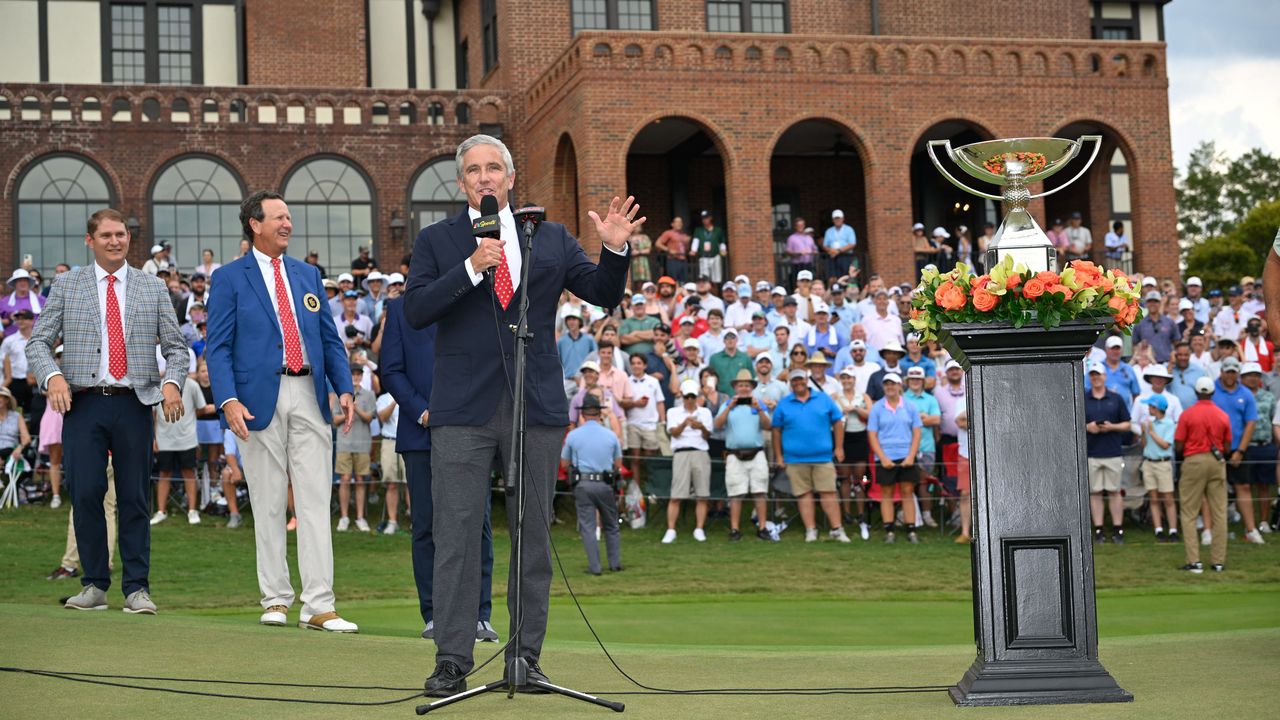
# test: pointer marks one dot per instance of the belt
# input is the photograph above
(1259, 444)
(303, 371)
(108, 390)
(1156, 459)
(601, 477)
(678, 450)
(744, 454)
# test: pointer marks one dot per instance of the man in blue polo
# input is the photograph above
(1241, 408)
(593, 454)
(1121, 379)
(808, 428)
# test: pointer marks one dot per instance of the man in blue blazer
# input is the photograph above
(471, 397)
(408, 361)
(262, 304)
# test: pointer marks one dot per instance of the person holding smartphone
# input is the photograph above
(745, 421)
(1106, 417)
(690, 427)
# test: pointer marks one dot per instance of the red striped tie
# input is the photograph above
(292, 343)
(117, 358)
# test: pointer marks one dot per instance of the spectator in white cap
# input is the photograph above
(1188, 325)
(345, 282)
(729, 361)
(1121, 378)
(737, 314)
(20, 298)
(762, 294)
(823, 338)
(1158, 378)
(801, 247)
(916, 357)
(1106, 416)
(1242, 412)
(1156, 329)
(773, 311)
(690, 365)
(1195, 293)
(858, 356)
(931, 420)
(636, 332)
(840, 243)
(924, 247)
(375, 285)
(159, 260)
(856, 406)
(946, 249)
(882, 326)
(804, 296)
(1203, 437)
(891, 354)
(1156, 429)
(690, 427)
(769, 390)
(1260, 457)
(613, 413)
(808, 431)
(893, 432)
(744, 422)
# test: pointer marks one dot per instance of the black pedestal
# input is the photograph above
(1034, 611)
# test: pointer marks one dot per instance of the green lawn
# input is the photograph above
(687, 615)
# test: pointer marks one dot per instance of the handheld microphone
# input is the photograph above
(487, 225)
(529, 218)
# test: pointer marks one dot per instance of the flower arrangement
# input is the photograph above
(1033, 161)
(1013, 294)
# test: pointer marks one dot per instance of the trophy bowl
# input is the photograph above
(1033, 158)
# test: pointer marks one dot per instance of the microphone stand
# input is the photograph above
(517, 669)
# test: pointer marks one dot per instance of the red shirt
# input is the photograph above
(699, 325)
(1201, 426)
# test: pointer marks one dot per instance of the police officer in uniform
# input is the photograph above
(593, 458)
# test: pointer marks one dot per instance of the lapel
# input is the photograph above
(254, 276)
(132, 297)
(294, 271)
(89, 291)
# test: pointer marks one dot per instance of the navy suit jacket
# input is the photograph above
(408, 360)
(474, 352)
(245, 348)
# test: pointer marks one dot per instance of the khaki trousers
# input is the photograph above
(297, 447)
(71, 558)
(1203, 476)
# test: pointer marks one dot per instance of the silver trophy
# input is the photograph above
(1013, 164)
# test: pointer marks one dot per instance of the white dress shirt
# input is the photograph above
(511, 244)
(269, 278)
(121, 274)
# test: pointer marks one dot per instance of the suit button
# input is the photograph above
(278, 346)
(507, 355)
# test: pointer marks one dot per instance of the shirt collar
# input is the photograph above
(100, 274)
(263, 258)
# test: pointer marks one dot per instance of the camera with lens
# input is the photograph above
(351, 332)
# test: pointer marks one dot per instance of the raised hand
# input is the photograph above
(619, 222)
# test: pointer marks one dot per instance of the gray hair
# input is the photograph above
(475, 140)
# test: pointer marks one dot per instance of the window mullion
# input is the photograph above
(151, 23)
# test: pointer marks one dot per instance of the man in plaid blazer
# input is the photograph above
(107, 317)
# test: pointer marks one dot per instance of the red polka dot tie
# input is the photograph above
(502, 281)
(292, 343)
(117, 359)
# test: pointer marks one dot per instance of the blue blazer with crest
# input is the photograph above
(245, 347)
(474, 350)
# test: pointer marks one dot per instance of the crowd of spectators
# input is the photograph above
(809, 391)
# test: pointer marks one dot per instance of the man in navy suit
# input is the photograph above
(471, 399)
(408, 360)
(264, 303)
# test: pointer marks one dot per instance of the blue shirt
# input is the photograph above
(1109, 408)
(806, 427)
(824, 341)
(926, 362)
(1239, 406)
(591, 448)
(1164, 428)
(1121, 380)
(925, 404)
(1183, 384)
(574, 352)
(893, 428)
(742, 428)
(844, 317)
(839, 238)
(655, 366)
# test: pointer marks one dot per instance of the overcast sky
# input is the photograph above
(1224, 75)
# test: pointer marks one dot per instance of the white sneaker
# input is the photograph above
(863, 531)
(839, 534)
(344, 524)
(1254, 537)
(362, 525)
(669, 537)
(1206, 538)
(193, 517)
(1263, 527)
(928, 519)
(328, 622)
(56, 503)
(276, 616)
(391, 528)
(159, 517)
(597, 533)
(811, 535)
(699, 535)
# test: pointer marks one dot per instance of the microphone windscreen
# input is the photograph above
(488, 205)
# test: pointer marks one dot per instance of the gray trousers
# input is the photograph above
(590, 497)
(461, 459)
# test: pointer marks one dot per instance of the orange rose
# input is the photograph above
(984, 301)
(1013, 282)
(981, 282)
(1117, 305)
(1048, 277)
(1106, 285)
(1059, 288)
(1033, 289)
(1087, 273)
(949, 296)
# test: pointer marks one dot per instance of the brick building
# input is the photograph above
(758, 110)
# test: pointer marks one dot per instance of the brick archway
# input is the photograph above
(1103, 195)
(565, 198)
(937, 203)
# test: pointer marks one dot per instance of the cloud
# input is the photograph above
(1227, 101)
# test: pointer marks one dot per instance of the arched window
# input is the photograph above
(195, 204)
(435, 194)
(332, 209)
(56, 196)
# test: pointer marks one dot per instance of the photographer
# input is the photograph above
(593, 457)
(354, 328)
(744, 421)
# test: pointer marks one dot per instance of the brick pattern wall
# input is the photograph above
(304, 43)
(1029, 19)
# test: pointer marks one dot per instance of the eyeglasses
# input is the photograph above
(797, 352)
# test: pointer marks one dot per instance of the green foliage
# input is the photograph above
(1220, 262)
(1216, 193)
(1258, 229)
